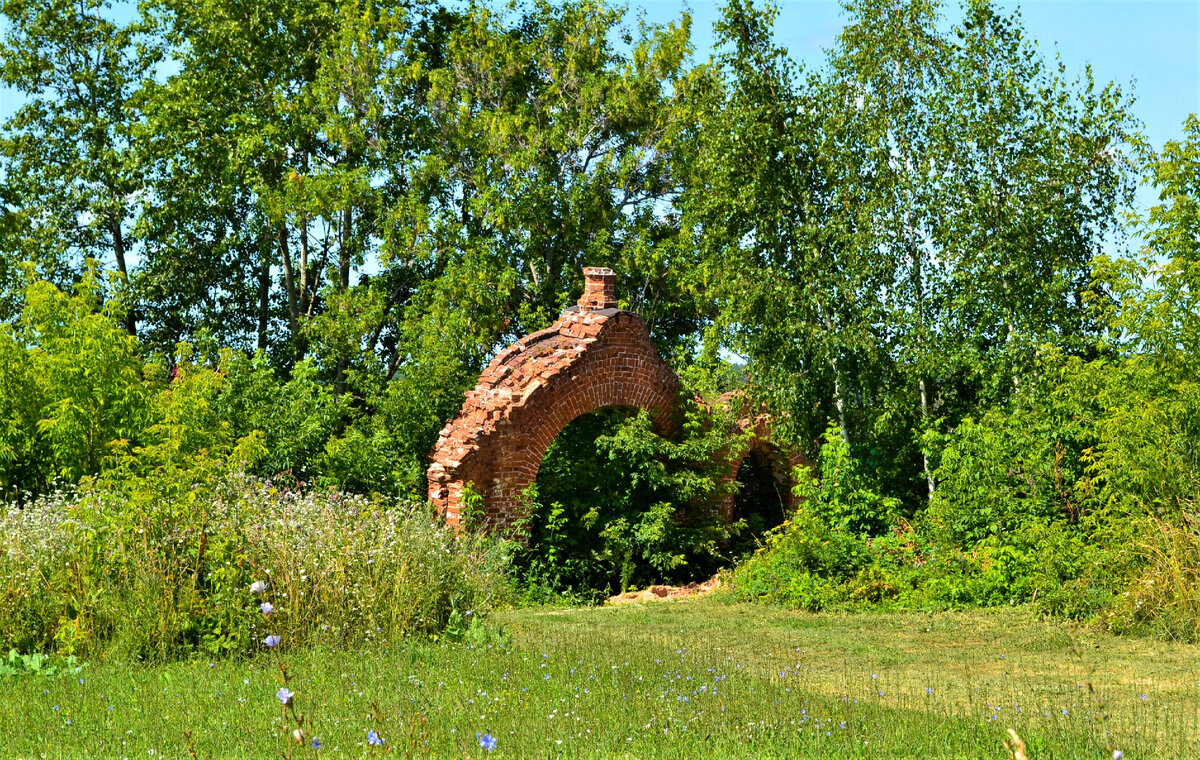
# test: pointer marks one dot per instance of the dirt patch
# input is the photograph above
(668, 593)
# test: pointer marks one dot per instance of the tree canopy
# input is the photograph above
(303, 227)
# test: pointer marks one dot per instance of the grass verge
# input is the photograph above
(702, 678)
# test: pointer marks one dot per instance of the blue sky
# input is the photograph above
(1151, 45)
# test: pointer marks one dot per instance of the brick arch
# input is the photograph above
(594, 356)
(759, 439)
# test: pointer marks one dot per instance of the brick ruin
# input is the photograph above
(596, 355)
(758, 444)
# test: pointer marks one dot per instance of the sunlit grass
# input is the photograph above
(687, 679)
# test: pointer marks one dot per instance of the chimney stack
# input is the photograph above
(599, 289)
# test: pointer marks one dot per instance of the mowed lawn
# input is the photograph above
(703, 678)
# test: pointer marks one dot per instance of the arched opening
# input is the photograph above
(617, 506)
(594, 356)
(578, 493)
(762, 495)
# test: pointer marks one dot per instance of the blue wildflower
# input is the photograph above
(317, 743)
(272, 640)
(258, 587)
(267, 608)
(487, 741)
(374, 739)
(285, 695)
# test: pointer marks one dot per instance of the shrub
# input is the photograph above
(160, 568)
(843, 496)
(802, 564)
(616, 505)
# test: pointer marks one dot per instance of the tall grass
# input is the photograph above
(1163, 597)
(164, 573)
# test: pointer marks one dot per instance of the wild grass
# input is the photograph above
(160, 570)
(686, 679)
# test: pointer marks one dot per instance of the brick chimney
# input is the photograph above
(599, 289)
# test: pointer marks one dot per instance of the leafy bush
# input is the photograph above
(802, 564)
(1006, 470)
(842, 495)
(73, 388)
(823, 553)
(160, 567)
(616, 505)
(38, 664)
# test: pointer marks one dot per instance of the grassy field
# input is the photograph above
(690, 679)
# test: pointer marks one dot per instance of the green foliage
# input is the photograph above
(38, 664)
(801, 564)
(616, 505)
(842, 495)
(159, 566)
(77, 391)
(290, 254)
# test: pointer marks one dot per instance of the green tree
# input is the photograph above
(80, 391)
(66, 156)
(755, 204)
(1039, 177)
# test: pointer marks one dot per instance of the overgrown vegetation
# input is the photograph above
(616, 505)
(289, 252)
(158, 567)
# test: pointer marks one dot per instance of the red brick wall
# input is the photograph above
(759, 439)
(590, 358)
(594, 356)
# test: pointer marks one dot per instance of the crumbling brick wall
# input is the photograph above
(596, 355)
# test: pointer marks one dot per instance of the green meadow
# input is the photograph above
(700, 678)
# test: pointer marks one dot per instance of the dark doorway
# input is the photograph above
(760, 499)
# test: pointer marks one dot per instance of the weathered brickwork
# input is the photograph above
(596, 355)
(782, 462)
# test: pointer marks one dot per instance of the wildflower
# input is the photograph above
(272, 640)
(1118, 754)
(374, 739)
(258, 587)
(298, 735)
(267, 608)
(284, 695)
(487, 741)
(317, 743)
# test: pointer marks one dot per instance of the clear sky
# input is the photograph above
(1153, 45)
